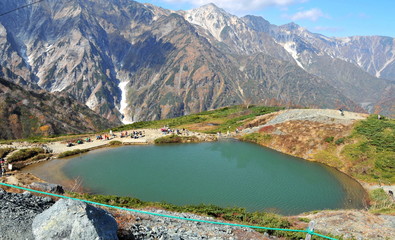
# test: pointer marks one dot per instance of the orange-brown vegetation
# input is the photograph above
(305, 138)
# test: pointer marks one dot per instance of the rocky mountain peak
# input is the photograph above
(211, 18)
(257, 23)
(290, 26)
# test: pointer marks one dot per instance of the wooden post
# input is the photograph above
(310, 228)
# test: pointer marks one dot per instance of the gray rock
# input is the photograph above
(27, 194)
(17, 212)
(70, 219)
(47, 187)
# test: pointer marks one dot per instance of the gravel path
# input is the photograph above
(318, 115)
(328, 116)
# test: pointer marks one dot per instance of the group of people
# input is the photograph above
(167, 130)
(79, 141)
(104, 137)
(133, 134)
(137, 134)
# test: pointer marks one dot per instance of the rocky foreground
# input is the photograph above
(17, 212)
(25, 216)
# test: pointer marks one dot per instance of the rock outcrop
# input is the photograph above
(70, 219)
(47, 187)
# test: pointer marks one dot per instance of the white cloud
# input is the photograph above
(239, 5)
(313, 14)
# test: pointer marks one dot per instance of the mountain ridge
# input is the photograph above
(123, 58)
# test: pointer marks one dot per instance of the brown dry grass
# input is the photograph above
(306, 138)
(203, 127)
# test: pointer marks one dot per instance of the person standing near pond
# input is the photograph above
(2, 167)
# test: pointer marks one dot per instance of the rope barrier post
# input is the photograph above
(310, 229)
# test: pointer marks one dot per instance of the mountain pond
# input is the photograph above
(224, 173)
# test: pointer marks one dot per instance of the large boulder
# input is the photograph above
(47, 187)
(71, 219)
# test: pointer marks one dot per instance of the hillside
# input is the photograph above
(360, 145)
(25, 114)
(134, 62)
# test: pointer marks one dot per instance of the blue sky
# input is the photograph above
(330, 17)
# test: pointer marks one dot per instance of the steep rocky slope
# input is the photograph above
(26, 113)
(132, 61)
(345, 63)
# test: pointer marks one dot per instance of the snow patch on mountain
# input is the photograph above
(378, 73)
(124, 104)
(291, 48)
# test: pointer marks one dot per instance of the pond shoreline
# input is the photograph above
(235, 158)
(149, 138)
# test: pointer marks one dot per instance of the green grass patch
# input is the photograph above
(40, 156)
(378, 133)
(256, 138)
(5, 151)
(381, 202)
(329, 139)
(48, 139)
(115, 143)
(24, 154)
(329, 157)
(175, 139)
(72, 152)
(232, 117)
(339, 141)
(373, 154)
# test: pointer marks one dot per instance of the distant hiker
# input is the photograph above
(341, 112)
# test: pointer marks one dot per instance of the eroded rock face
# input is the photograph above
(70, 219)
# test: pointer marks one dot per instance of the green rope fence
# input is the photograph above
(308, 231)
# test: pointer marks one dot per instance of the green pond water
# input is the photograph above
(227, 173)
